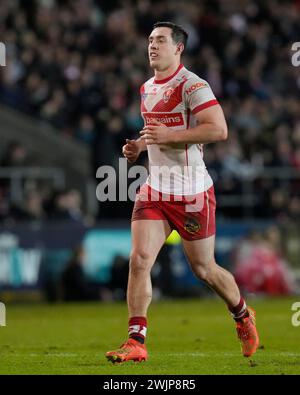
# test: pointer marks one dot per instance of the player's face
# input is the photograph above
(162, 51)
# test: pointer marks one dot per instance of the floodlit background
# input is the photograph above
(69, 96)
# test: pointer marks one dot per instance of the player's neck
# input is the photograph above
(165, 74)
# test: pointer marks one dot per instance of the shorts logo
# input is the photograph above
(195, 87)
(191, 225)
(169, 119)
(167, 95)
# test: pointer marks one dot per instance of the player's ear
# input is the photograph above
(180, 48)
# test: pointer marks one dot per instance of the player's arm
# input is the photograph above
(132, 149)
(211, 128)
(142, 144)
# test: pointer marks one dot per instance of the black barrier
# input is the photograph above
(146, 384)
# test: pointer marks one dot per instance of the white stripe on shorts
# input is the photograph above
(207, 216)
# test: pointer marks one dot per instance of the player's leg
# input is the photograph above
(200, 254)
(148, 236)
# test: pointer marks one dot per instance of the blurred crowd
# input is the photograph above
(40, 201)
(78, 65)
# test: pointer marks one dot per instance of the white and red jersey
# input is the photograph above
(174, 101)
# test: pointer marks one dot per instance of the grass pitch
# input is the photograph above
(184, 337)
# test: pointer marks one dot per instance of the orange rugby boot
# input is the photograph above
(247, 333)
(131, 350)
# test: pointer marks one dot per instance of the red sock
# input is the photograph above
(240, 310)
(137, 328)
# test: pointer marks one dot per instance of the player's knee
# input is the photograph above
(205, 271)
(139, 261)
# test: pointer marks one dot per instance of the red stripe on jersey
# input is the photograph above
(169, 78)
(205, 105)
(171, 100)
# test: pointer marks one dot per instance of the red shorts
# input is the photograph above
(192, 216)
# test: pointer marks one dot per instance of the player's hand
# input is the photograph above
(131, 150)
(157, 133)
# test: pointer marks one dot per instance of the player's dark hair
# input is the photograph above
(179, 35)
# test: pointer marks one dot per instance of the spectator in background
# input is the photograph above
(31, 210)
(35, 204)
(294, 209)
(76, 286)
(16, 155)
(260, 267)
(66, 206)
(74, 201)
(86, 130)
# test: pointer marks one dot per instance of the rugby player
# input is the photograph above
(181, 115)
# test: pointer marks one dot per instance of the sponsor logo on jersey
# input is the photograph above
(145, 94)
(195, 87)
(167, 95)
(169, 119)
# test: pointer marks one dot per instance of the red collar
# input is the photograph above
(170, 77)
